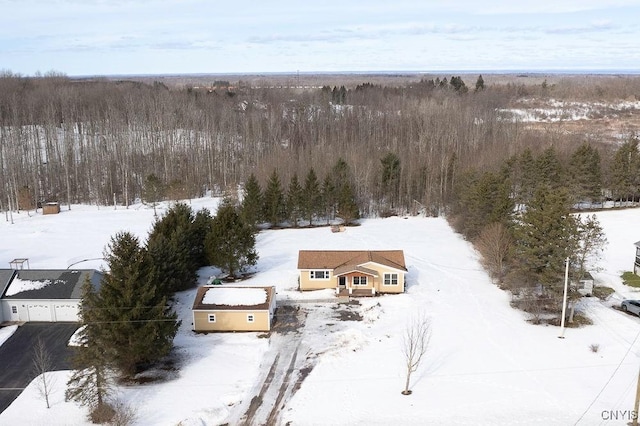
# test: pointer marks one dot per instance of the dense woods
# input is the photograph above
(405, 147)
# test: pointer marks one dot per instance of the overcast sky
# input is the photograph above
(106, 37)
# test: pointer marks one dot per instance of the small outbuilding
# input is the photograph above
(234, 308)
(44, 295)
(585, 285)
(51, 208)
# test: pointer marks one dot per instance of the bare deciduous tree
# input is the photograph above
(494, 244)
(41, 365)
(415, 344)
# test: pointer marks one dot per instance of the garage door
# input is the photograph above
(39, 312)
(66, 312)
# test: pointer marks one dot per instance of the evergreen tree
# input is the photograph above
(483, 200)
(458, 85)
(546, 235)
(230, 243)
(479, 84)
(528, 176)
(90, 383)
(311, 196)
(251, 207)
(199, 229)
(186, 242)
(329, 198)
(390, 178)
(548, 169)
(625, 171)
(347, 205)
(294, 200)
(585, 178)
(153, 191)
(133, 313)
(274, 204)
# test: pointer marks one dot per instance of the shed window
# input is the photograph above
(212, 317)
(319, 275)
(250, 318)
(390, 279)
(360, 280)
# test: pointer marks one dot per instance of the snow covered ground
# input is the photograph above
(485, 366)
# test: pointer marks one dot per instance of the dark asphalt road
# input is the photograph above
(16, 364)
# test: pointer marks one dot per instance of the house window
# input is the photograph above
(250, 318)
(390, 279)
(212, 317)
(319, 275)
(360, 280)
(14, 309)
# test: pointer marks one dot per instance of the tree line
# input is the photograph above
(521, 218)
(96, 141)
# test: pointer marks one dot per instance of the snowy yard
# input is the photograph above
(485, 366)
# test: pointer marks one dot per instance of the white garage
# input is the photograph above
(39, 311)
(44, 295)
(65, 312)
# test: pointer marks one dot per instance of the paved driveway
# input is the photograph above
(16, 365)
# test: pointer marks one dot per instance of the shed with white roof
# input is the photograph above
(234, 308)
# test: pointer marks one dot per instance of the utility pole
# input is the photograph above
(634, 413)
(564, 299)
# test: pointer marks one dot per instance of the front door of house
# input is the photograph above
(342, 282)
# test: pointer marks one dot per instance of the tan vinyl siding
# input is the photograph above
(231, 321)
(379, 280)
(306, 283)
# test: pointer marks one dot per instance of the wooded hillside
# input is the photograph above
(406, 144)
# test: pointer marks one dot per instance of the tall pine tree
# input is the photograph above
(311, 196)
(132, 311)
(230, 243)
(274, 203)
(251, 207)
(294, 200)
(585, 176)
(546, 234)
(91, 382)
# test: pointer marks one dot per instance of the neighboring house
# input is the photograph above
(351, 272)
(43, 295)
(6, 275)
(231, 308)
(636, 264)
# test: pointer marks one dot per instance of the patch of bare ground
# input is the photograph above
(609, 129)
(348, 311)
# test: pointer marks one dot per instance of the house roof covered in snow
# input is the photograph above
(6, 275)
(637, 243)
(219, 297)
(345, 259)
(50, 283)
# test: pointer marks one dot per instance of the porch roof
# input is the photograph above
(343, 270)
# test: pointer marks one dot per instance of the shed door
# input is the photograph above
(39, 312)
(66, 312)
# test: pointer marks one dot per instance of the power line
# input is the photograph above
(609, 380)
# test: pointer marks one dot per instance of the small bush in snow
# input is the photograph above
(594, 347)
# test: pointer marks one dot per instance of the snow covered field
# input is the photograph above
(486, 365)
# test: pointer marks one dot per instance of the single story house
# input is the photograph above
(636, 264)
(234, 308)
(352, 272)
(43, 295)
